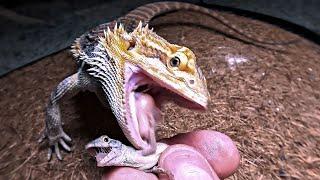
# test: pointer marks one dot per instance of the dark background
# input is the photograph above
(33, 29)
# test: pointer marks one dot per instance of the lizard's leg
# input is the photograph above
(66, 89)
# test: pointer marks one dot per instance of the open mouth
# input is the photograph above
(144, 98)
(94, 151)
(101, 154)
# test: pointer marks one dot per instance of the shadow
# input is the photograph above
(94, 119)
(286, 25)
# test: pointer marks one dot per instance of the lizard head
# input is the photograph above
(105, 150)
(155, 71)
(171, 66)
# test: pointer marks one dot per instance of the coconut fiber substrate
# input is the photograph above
(265, 97)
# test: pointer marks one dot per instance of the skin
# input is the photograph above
(188, 164)
(125, 173)
(217, 148)
(205, 147)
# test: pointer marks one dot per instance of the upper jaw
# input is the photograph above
(190, 99)
(91, 144)
(197, 96)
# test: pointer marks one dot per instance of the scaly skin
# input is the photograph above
(111, 152)
(131, 68)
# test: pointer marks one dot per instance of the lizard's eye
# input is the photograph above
(105, 139)
(175, 62)
(179, 61)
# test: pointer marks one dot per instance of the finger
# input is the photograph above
(49, 155)
(64, 145)
(217, 148)
(128, 173)
(57, 151)
(66, 137)
(183, 162)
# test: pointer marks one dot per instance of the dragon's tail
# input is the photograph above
(147, 12)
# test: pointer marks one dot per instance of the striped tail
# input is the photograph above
(147, 12)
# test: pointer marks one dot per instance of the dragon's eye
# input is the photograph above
(175, 62)
(178, 61)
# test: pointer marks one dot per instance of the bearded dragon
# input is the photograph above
(111, 152)
(133, 71)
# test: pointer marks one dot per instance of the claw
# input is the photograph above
(64, 145)
(49, 155)
(66, 137)
(61, 139)
(160, 170)
(42, 137)
(40, 140)
(157, 170)
(57, 151)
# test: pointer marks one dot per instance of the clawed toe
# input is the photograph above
(49, 155)
(157, 170)
(42, 137)
(54, 144)
(64, 145)
(66, 137)
(57, 151)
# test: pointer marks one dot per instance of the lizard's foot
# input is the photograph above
(54, 142)
(159, 170)
(156, 169)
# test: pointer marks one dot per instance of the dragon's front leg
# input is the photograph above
(54, 132)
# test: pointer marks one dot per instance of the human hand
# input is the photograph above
(200, 154)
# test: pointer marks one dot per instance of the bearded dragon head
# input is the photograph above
(155, 71)
(172, 66)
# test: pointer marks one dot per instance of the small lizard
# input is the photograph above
(111, 152)
(133, 71)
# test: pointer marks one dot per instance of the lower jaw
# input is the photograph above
(141, 105)
(99, 158)
(140, 108)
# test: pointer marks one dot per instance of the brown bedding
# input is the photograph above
(266, 98)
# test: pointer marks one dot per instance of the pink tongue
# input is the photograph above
(147, 115)
(146, 107)
(99, 158)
